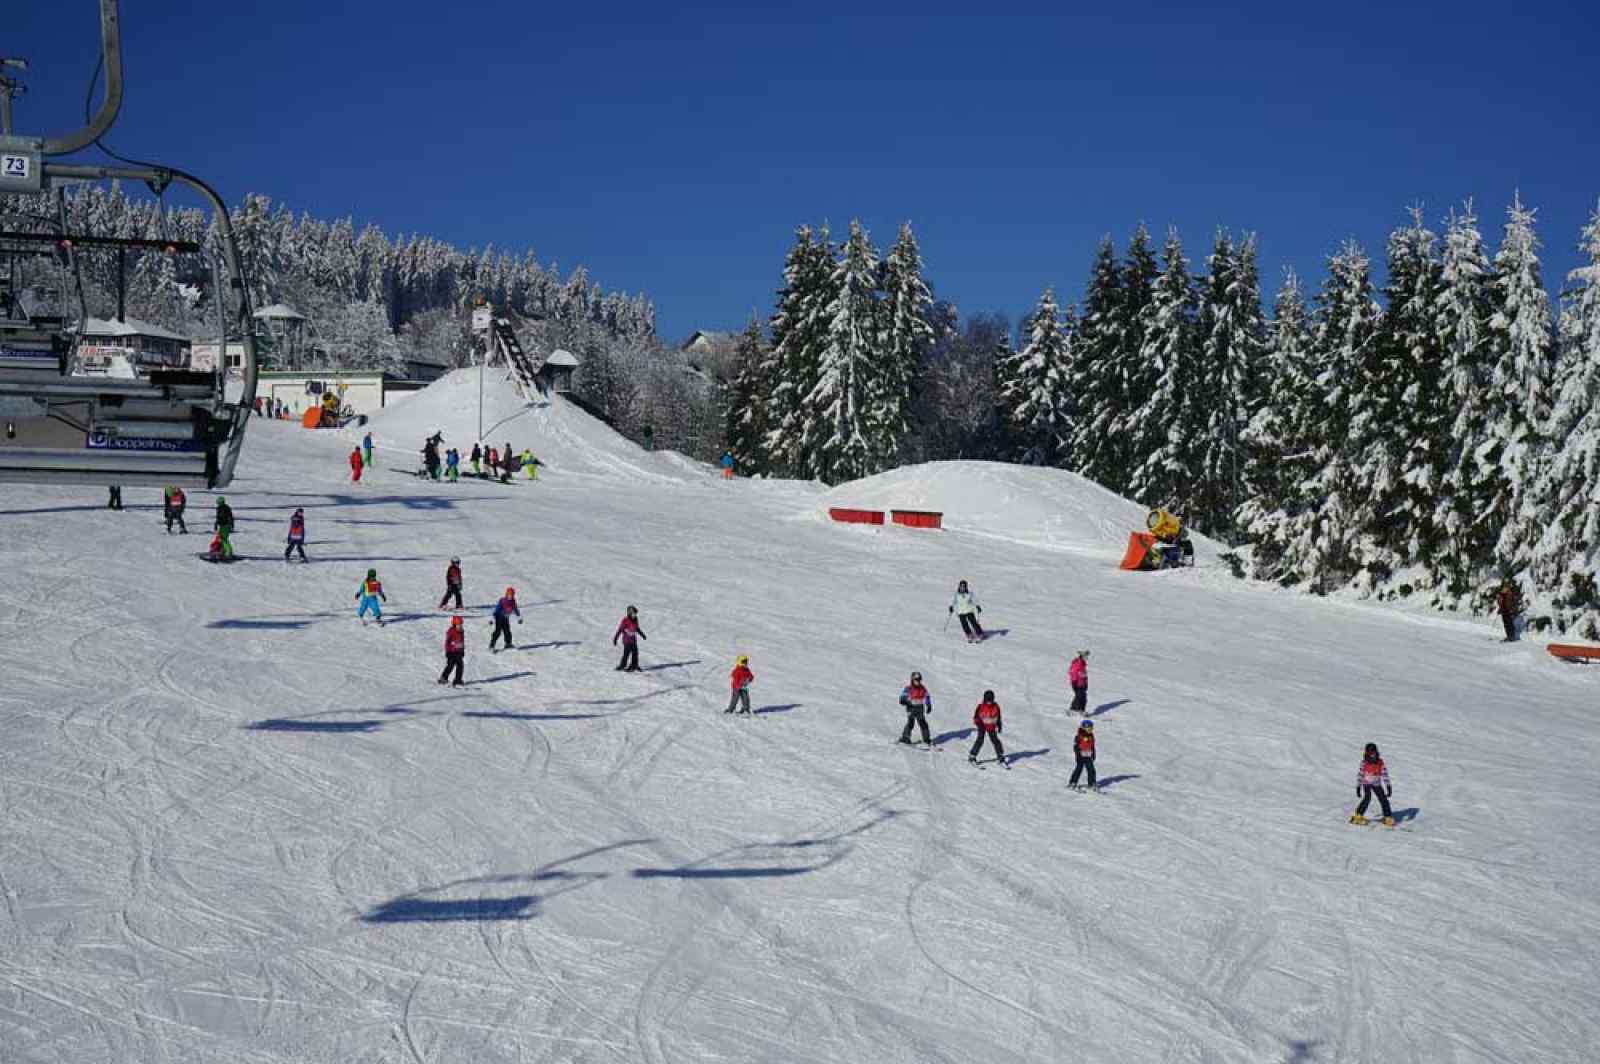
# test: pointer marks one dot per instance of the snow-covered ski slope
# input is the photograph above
(235, 825)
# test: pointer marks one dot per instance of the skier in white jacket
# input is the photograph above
(965, 605)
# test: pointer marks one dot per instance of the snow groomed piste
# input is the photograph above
(240, 826)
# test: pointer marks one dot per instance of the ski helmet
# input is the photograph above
(1083, 653)
(1087, 725)
(633, 611)
(916, 677)
(988, 696)
(961, 585)
(372, 574)
(742, 659)
(455, 622)
(1372, 750)
(455, 561)
(511, 592)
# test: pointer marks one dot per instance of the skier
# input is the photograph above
(1509, 602)
(1078, 676)
(368, 594)
(493, 462)
(452, 584)
(987, 720)
(477, 460)
(530, 464)
(430, 458)
(727, 465)
(1083, 750)
(508, 464)
(172, 504)
(356, 465)
(114, 499)
(223, 527)
(740, 681)
(965, 606)
(452, 465)
(366, 449)
(455, 651)
(297, 535)
(1372, 781)
(502, 619)
(630, 633)
(918, 703)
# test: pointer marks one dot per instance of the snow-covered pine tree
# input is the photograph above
(849, 393)
(1164, 428)
(1519, 400)
(799, 329)
(1232, 337)
(1567, 554)
(1461, 320)
(1095, 391)
(1279, 438)
(1034, 381)
(907, 335)
(745, 425)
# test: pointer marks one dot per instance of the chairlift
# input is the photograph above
(61, 426)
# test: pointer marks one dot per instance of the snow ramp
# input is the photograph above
(566, 439)
(1026, 504)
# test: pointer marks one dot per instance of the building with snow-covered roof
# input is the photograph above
(555, 375)
(144, 345)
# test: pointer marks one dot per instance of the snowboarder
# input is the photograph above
(530, 464)
(114, 498)
(223, 527)
(1372, 781)
(477, 460)
(1083, 751)
(727, 465)
(918, 704)
(630, 633)
(172, 504)
(430, 459)
(1509, 602)
(740, 680)
(1078, 677)
(369, 594)
(455, 651)
(965, 606)
(452, 465)
(297, 535)
(986, 718)
(452, 584)
(502, 619)
(508, 464)
(366, 449)
(357, 463)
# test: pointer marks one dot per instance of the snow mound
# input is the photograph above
(1026, 504)
(566, 439)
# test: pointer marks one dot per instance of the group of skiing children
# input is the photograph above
(488, 463)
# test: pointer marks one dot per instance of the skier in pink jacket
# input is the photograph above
(1078, 676)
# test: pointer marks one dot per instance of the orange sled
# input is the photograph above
(1574, 652)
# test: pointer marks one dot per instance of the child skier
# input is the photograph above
(508, 464)
(1083, 751)
(452, 465)
(740, 680)
(493, 462)
(297, 535)
(366, 449)
(455, 651)
(986, 718)
(502, 618)
(356, 465)
(1508, 602)
(172, 504)
(223, 527)
(1078, 677)
(452, 584)
(727, 465)
(1372, 781)
(530, 464)
(918, 704)
(477, 460)
(965, 605)
(630, 633)
(369, 594)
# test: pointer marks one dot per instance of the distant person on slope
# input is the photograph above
(1078, 677)
(508, 464)
(986, 718)
(530, 464)
(727, 465)
(114, 499)
(477, 460)
(455, 651)
(502, 619)
(630, 633)
(1083, 753)
(918, 704)
(1508, 601)
(452, 465)
(1372, 781)
(740, 680)
(493, 462)
(452, 584)
(368, 595)
(223, 527)
(297, 535)
(357, 464)
(965, 606)
(366, 449)
(172, 504)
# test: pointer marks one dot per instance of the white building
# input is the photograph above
(145, 346)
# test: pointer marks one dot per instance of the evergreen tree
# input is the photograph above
(1519, 400)
(1164, 428)
(1033, 388)
(799, 334)
(850, 394)
(1095, 386)
(745, 427)
(1279, 437)
(907, 336)
(1232, 338)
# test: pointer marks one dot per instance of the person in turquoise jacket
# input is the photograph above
(368, 595)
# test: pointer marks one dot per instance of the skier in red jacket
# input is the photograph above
(455, 651)
(740, 680)
(630, 633)
(1372, 781)
(986, 718)
(355, 465)
(452, 584)
(918, 704)
(1083, 751)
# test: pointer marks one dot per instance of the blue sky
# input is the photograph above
(674, 149)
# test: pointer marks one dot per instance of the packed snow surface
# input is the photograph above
(239, 826)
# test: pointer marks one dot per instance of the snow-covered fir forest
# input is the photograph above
(1423, 440)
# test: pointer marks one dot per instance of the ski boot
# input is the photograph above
(1388, 821)
(1357, 818)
